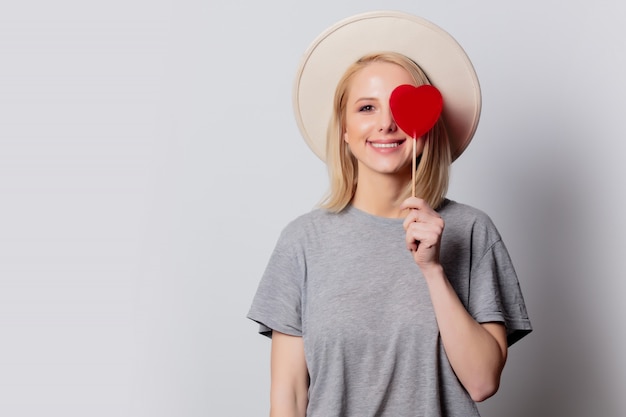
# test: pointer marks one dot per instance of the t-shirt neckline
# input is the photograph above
(357, 213)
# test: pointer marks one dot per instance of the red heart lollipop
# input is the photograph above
(416, 109)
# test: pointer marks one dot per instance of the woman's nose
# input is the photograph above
(387, 123)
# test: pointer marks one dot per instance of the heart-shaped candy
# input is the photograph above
(415, 109)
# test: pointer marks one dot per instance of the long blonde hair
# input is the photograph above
(433, 170)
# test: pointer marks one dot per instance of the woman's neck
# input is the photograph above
(380, 195)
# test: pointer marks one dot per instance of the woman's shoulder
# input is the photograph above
(308, 223)
(468, 219)
(310, 218)
(455, 210)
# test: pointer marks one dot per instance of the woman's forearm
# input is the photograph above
(477, 352)
(291, 407)
(289, 377)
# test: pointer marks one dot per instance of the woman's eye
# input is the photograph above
(367, 107)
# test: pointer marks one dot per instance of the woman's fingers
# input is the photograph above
(420, 212)
(427, 234)
(424, 227)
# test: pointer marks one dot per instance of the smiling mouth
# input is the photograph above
(384, 145)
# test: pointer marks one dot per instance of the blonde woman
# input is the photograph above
(379, 303)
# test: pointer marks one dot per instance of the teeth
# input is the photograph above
(385, 145)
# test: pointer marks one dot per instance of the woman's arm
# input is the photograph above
(290, 377)
(477, 352)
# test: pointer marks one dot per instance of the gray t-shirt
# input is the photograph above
(347, 285)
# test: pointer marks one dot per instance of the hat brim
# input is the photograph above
(438, 54)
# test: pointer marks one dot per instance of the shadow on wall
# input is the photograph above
(557, 370)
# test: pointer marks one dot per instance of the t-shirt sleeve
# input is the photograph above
(277, 304)
(495, 294)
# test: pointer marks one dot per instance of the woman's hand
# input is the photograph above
(424, 227)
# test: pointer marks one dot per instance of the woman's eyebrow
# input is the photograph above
(366, 99)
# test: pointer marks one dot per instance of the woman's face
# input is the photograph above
(370, 131)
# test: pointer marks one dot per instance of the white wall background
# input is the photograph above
(149, 159)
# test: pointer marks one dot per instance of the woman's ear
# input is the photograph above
(345, 137)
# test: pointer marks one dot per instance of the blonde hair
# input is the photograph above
(433, 170)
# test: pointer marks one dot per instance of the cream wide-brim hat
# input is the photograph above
(438, 54)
